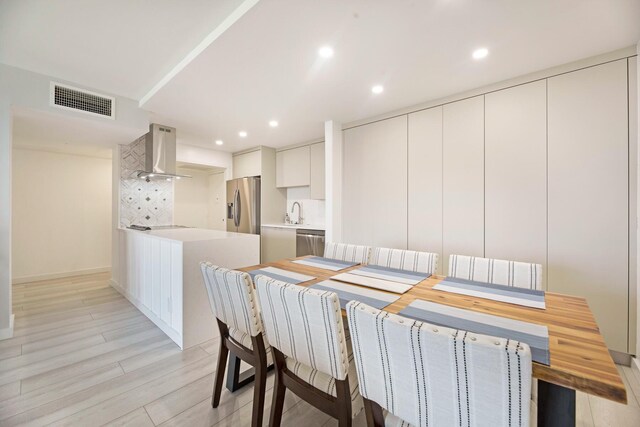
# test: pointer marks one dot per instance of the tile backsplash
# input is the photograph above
(142, 202)
(312, 210)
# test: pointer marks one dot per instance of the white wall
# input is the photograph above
(61, 214)
(6, 318)
(200, 200)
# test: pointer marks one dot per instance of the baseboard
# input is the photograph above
(7, 333)
(40, 277)
(635, 364)
(621, 358)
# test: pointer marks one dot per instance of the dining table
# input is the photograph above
(579, 359)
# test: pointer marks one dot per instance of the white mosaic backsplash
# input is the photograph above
(142, 202)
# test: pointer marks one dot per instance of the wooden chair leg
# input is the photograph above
(279, 390)
(222, 366)
(373, 412)
(260, 385)
(343, 400)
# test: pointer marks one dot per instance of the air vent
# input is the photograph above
(82, 100)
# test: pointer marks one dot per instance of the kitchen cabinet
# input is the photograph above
(588, 182)
(278, 243)
(463, 179)
(292, 167)
(425, 182)
(316, 175)
(374, 199)
(516, 174)
(247, 164)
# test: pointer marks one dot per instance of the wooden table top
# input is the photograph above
(579, 356)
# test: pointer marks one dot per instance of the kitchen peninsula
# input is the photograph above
(159, 273)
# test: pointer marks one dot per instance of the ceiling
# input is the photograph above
(264, 65)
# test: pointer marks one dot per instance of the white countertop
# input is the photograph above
(296, 226)
(192, 234)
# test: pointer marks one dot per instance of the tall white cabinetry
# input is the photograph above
(588, 193)
(425, 182)
(516, 174)
(463, 179)
(374, 199)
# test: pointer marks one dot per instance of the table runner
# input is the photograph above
(346, 293)
(510, 294)
(536, 336)
(371, 282)
(393, 274)
(282, 275)
(325, 263)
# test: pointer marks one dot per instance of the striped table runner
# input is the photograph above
(511, 294)
(282, 275)
(536, 336)
(346, 293)
(371, 282)
(393, 274)
(326, 263)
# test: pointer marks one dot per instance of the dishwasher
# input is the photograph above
(309, 242)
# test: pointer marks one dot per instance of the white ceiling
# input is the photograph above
(265, 66)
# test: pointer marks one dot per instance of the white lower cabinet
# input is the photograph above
(278, 243)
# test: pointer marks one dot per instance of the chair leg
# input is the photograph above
(222, 365)
(279, 390)
(343, 400)
(260, 385)
(373, 412)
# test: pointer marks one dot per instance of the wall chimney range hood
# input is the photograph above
(160, 154)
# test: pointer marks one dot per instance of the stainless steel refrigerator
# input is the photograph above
(243, 205)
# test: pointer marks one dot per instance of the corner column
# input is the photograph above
(333, 180)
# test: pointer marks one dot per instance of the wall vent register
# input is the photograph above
(71, 98)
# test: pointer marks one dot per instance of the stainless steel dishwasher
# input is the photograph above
(309, 242)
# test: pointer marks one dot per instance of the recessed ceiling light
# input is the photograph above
(219, 142)
(242, 134)
(325, 51)
(377, 89)
(273, 123)
(480, 53)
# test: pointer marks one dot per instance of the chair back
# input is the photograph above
(496, 271)
(402, 259)
(233, 299)
(347, 252)
(437, 376)
(304, 324)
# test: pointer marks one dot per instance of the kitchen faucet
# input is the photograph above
(299, 212)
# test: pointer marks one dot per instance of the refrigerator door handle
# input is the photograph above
(237, 208)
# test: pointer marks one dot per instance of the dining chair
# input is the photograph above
(347, 252)
(420, 374)
(496, 271)
(310, 348)
(235, 304)
(402, 259)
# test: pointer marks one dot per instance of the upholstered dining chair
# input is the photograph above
(310, 349)
(235, 304)
(402, 259)
(347, 252)
(496, 271)
(420, 374)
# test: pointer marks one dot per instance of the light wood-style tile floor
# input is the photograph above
(83, 355)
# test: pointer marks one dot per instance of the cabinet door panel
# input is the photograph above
(516, 174)
(374, 198)
(247, 164)
(316, 184)
(463, 179)
(588, 184)
(425, 182)
(292, 167)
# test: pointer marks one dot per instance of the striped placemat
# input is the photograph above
(372, 282)
(536, 336)
(393, 274)
(326, 263)
(282, 275)
(520, 296)
(348, 293)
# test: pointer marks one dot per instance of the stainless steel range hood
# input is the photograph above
(160, 153)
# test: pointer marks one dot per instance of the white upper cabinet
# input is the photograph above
(463, 179)
(588, 193)
(316, 181)
(247, 164)
(425, 182)
(516, 174)
(374, 197)
(293, 167)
